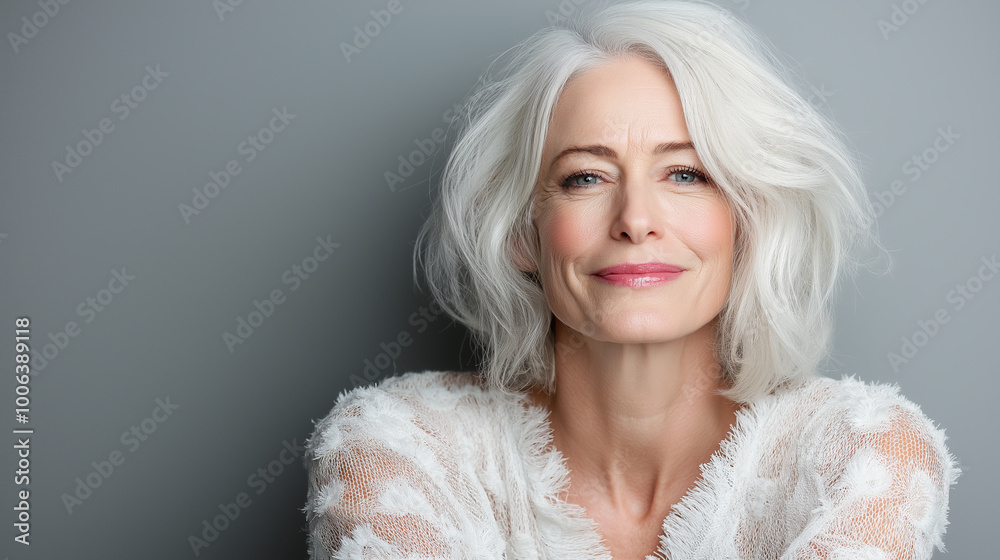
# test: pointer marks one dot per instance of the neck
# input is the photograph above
(635, 421)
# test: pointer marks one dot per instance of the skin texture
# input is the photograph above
(635, 411)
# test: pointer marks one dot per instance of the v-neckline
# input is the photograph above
(695, 507)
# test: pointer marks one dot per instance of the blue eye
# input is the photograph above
(571, 180)
(687, 175)
(682, 175)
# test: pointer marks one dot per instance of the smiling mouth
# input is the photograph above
(639, 275)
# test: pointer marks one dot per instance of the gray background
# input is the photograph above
(323, 176)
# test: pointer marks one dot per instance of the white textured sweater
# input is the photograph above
(434, 465)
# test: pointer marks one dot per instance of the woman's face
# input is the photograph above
(620, 185)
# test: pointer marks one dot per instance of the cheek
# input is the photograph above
(563, 234)
(708, 231)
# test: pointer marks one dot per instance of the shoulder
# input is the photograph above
(395, 404)
(866, 441)
(852, 405)
(828, 422)
(876, 469)
(869, 469)
(398, 449)
(847, 414)
(402, 413)
(852, 433)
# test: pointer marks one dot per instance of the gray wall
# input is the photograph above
(210, 410)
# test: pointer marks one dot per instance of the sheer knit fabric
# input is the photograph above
(434, 465)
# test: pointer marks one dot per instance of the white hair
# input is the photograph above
(796, 194)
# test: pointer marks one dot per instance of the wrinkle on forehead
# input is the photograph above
(630, 103)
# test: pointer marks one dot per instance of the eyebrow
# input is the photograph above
(604, 151)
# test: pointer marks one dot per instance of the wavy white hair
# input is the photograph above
(795, 191)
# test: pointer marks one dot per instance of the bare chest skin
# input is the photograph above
(628, 541)
(627, 537)
(631, 525)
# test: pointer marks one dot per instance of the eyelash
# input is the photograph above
(566, 181)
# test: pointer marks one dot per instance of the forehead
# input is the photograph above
(619, 102)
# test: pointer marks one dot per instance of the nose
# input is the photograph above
(638, 213)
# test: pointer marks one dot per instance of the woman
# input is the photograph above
(643, 225)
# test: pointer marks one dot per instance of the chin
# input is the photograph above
(641, 332)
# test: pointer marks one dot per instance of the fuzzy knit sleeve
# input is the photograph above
(386, 480)
(883, 474)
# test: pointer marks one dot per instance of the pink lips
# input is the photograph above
(639, 275)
